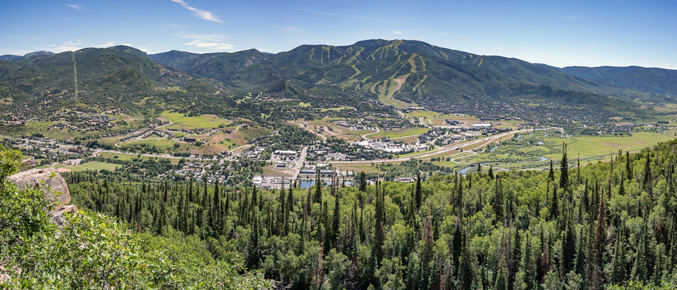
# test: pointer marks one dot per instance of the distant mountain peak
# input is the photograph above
(38, 53)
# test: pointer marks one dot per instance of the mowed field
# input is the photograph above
(588, 146)
(94, 165)
(399, 133)
(159, 143)
(180, 121)
(131, 156)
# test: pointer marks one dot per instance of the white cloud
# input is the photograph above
(76, 7)
(214, 42)
(66, 46)
(203, 37)
(211, 45)
(396, 32)
(206, 15)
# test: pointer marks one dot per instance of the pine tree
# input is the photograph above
(318, 189)
(647, 183)
(289, 209)
(363, 182)
(361, 227)
(516, 258)
(618, 273)
(528, 266)
(279, 227)
(419, 193)
(639, 270)
(578, 170)
(253, 258)
(190, 189)
(568, 247)
(564, 170)
(600, 234)
(466, 271)
(498, 200)
(628, 165)
(337, 222)
(586, 202)
(554, 208)
(491, 172)
(501, 275)
(379, 235)
(551, 173)
(579, 264)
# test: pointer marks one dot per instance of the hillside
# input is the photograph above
(654, 80)
(210, 65)
(397, 72)
(100, 70)
(585, 227)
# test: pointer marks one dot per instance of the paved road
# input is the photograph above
(444, 149)
(372, 133)
(299, 163)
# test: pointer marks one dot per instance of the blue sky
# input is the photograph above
(559, 33)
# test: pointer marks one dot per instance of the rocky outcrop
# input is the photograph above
(52, 185)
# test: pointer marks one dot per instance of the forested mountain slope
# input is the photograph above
(582, 227)
(654, 80)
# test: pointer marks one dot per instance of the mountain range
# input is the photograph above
(396, 71)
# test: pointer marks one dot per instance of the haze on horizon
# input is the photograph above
(583, 33)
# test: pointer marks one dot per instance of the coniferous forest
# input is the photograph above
(586, 227)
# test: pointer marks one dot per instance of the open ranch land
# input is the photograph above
(94, 165)
(535, 150)
(180, 121)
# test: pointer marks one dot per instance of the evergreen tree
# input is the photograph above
(618, 272)
(289, 210)
(628, 165)
(551, 173)
(498, 200)
(379, 235)
(639, 270)
(318, 189)
(466, 271)
(647, 183)
(516, 258)
(554, 208)
(501, 275)
(491, 171)
(564, 170)
(528, 266)
(419, 192)
(337, 221)
(363, 182)
(253, 258)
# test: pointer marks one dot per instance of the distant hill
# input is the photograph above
(418, 72)
(397, 72)
(9, 57)
(101, 71)
(654, 80)
(210, 65)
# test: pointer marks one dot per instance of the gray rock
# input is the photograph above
(42, 179)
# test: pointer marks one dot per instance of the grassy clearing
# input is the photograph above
(182, 122)
(526, 154)
(337, 109)
(393, 102)
(94, 165)
(399, 133)
(590, 145)
(129, 157)
(161, 144)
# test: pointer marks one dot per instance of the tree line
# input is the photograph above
(586, 227)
